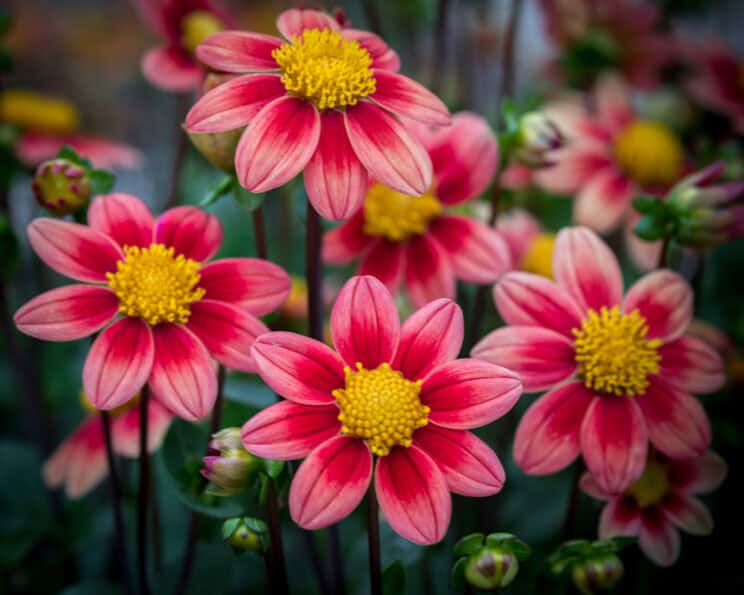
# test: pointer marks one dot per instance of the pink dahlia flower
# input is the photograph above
(661, 502)
(412, 239)
(620, 368)
(718, 83)
(80, 464)
(183, 25)
(166, 313)
(324, 100)
(390, 390)
(32, 148)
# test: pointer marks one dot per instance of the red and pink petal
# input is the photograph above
(383, 57)
(386, 261)
(688, 513)
(692, 365)
(658, 538)
(123, 217)
(347, 241)
(239, 51)
(428, 274)
(405, 97)
(125, 429)
(601, 203)
(620, 516)
(292, 22)
(189, 231)
(664, 299)
(171, 69)
(699, 475)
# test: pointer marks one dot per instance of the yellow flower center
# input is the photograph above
(39, 113)
(613, 354)
(156, 285)
(397, 216)
(539, 256)
(381, 407)
(196, 27)
(652, 487)
(650, 153)
(88, 406)
(325, 68)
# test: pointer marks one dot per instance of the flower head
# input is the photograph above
(61, 186)
(620, 368)
(388, 392)
(413, 240)
(324, 100)
(660, 502)
(164, 313)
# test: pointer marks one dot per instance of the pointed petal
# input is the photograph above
(574, 167)
(277, 144)
(125, 429)
(700, 475)
(258, 286)
(477, 252)
(227, 332)
(238, 51)
(413, 495)
(288, 430)
(123, 217)
(190, 231)
(621, 516)
(184, 378)
(692, 365)
(347, 241)
(541, 358)
(587, 269)
(469, 465)
(614, 442)
(335, 179)
(658, 538)
(67, 313)
(428, 273)
(118, 363)
(547, 439)
(386, 261)
(677, 423)
(688, 513)
(664, 299)
(170, 69)
(405, 97)
(390, 153)
(530, 300)
(469, 393)
(364, 323)
(589, 486)
(383, 57)
(330, 483)
(601, 203)
(430, 336)
(298, 368)
(74, 250)
(234, 104)
(292, 22)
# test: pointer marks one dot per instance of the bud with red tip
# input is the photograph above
(593, 566)
(597, 574)
(537, 137)
(489, 562)
(231, 467)
(61, 186)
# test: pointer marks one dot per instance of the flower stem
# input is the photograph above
(193, 530)
(259, 233)
(144, 492)
(573, 502)
(275, 562)
(440, 46)
(120, 551)
(182, 145)
(663, 253)
(373, 540)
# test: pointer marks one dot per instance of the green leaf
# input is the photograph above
(458, 574)
(273, 468)
(616, 544)
(469, 544)
(650, 229)
(249, 201)
(229, 527)
(394, 579)
(220, 189)
(511, 543)
(70, 154)
(101, 181)
(650, 205)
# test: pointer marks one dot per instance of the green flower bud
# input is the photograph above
(246, 534)
(231, 467)
(538, 136)
(61, 186)
(491, 568)
(597, 574)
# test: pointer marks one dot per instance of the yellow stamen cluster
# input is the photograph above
(325, 68)
(396, 216)
(652, 486)
(29, 110)
(156, 285)
(381, 407)
(650, 153)
(539, 256)
(613, 354)
(88, 406)
(196, 27)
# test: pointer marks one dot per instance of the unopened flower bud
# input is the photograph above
(491, 568)
(231, 467)
(537, 137)
(597, 574)
(61, 186)
(246, 534)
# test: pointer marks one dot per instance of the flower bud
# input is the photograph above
(537, 137)
(491, 568)
(597, 574)
(61, 186)
(232, 467)
(246, 534)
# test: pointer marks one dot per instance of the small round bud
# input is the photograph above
(226, 438)
(246, 534)
(61, 186)
(538, 136)
(231, 467)
(597, 574)
(491, 568)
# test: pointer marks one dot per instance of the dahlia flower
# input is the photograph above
(166, 314)
(531, 248)
(80, 463)
(661, 502)
(391, 392)
(325, 100)
(620, 368)
(183, 25)
(411, 239)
